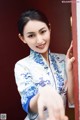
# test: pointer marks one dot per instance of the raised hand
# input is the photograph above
(70, 58)
(50, 99)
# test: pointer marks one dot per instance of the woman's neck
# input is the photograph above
(46, 57)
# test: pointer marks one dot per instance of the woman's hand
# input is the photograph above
(69, 58)
(50, 99)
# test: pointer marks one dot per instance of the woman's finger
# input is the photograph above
(41, 110)
(65, 118)
(72, 59)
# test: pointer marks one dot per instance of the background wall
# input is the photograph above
(11, 49)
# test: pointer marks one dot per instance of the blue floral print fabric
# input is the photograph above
(32, 73)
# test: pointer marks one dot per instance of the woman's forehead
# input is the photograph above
(34, 25)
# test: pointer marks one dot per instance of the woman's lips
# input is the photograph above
(41, 46)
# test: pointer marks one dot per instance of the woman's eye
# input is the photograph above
(30, 36)
(43, 31)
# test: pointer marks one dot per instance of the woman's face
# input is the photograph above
(36, 35)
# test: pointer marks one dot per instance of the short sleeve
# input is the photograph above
(63, 67)
(63, 58)
(25, 86)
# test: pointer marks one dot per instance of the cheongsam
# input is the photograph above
(32, 73)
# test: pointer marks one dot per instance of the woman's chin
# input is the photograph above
(42, 51)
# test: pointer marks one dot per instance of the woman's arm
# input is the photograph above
(70, 75)
(50, 99)
(26, 88)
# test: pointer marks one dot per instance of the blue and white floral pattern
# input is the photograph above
(32, 73)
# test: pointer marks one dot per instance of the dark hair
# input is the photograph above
(28, 15)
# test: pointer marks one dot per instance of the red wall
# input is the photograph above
(11, 49)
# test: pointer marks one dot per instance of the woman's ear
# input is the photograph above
(21, 38)
(50, 27)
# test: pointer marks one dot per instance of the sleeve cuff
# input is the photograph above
(26, 106)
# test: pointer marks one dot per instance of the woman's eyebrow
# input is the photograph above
(42, 28)
(30, 32)
(34, 32)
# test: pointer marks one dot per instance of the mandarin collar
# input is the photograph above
(38, 58)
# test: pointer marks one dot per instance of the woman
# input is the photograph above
(43, 78)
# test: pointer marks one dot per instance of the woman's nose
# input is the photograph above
(39, 39)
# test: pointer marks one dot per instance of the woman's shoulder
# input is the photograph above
(58, 60)
(22, 62)
(58, 56)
